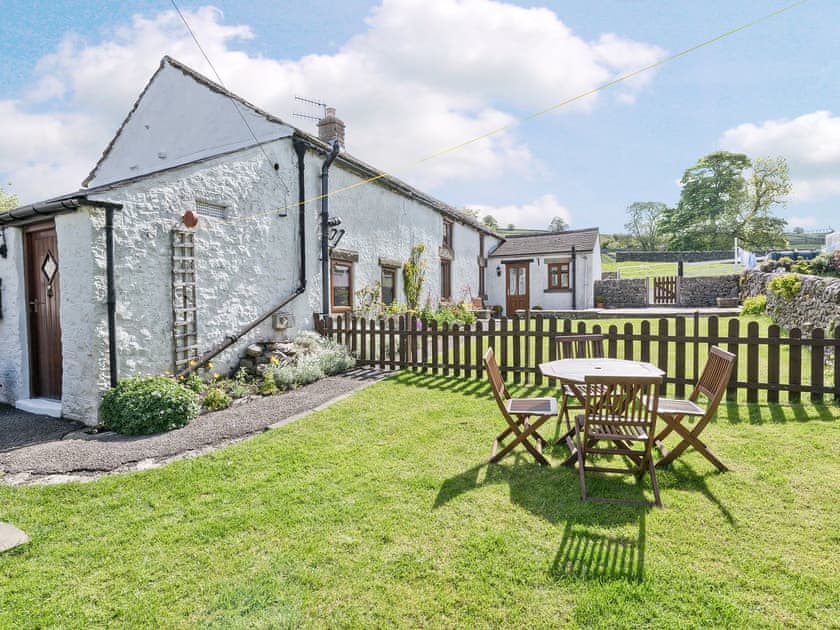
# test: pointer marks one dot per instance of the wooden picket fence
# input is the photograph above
(770, 363)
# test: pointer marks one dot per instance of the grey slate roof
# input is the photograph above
(552, 243)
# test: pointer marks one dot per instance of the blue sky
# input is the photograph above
(412, 77)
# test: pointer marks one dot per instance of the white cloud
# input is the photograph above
(422, 77)
(810, 143)
(536, 214)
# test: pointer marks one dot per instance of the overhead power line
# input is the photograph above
(542, 112)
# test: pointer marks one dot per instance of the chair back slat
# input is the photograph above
(715, 376)
(622, 406)
(500, 391)
(579, 346)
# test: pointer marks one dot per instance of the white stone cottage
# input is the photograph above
(190, 230)
(552, 271)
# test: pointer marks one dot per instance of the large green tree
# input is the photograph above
(643, 218)
(725, 196)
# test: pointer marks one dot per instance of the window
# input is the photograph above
(445, 279)
(559, 278)
(210, 209)
(447, 233)
(389, 285)
(341, 282)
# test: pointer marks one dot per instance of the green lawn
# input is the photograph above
(380, 512)
(635, 269)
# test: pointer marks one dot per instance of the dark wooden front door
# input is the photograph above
(517, 288)
(42, 297)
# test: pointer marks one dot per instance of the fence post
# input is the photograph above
(817, 364)
(539, 338)
(795, 365)
(732, 345)
(662, 351)
(773, 362)
(679, 357)
(517, 356)
(752, 362)
(455, 332)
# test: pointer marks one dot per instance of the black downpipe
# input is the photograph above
(300, 148)
(573, 283)
(325, 229)
(112, 294)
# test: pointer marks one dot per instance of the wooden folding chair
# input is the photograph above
(712, 386)
(620, 410)
(575, 346)
(523, 416)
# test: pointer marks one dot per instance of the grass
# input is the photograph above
(379, 511)
(635, 269)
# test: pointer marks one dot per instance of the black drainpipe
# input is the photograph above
(300, 148)
(325, 229)
(112, 293)
(574, 285)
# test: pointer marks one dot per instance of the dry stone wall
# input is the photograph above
(816, 306)
(628, 293)
(700, 291)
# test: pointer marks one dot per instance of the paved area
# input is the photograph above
(11, 537)
(37, 449)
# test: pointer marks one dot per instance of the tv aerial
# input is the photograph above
(312, 103)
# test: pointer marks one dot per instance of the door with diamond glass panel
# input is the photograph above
(43, 298)
(517, 288)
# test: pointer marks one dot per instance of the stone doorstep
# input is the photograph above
(40, 406)
(11, 537)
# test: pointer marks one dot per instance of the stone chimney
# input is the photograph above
(331, 128)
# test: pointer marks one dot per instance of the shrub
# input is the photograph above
(145, 405)
(786, 286)
(756, 305)
(216, 399)
(335, 358)
(195, 383)
(308, 369)
(284, 377)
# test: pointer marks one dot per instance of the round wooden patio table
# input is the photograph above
(575, 371)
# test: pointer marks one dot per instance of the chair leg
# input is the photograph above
(653, 481)
(690, 438)
(581, 459)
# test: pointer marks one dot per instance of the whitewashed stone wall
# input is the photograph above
(14, 374)
(246, 264)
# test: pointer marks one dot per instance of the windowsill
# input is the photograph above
(557, 291)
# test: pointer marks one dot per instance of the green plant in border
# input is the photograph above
(146, 405)
(216, 399)
(756, 305)
(414, 273)
(786, 286)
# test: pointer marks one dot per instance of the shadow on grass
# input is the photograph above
(589, 549)
(474, 387)
(763, 413)
(590, 555)
(684, 478)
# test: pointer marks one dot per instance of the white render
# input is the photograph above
(163, 131)
(832, 242)
(246, 264)
(587, 270)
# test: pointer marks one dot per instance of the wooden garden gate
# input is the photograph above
(665, 290)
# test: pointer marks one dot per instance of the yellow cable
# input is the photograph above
(542, 112)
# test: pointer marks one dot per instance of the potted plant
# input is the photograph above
(599, 301)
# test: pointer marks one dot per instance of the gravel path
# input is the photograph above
(36, 449)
